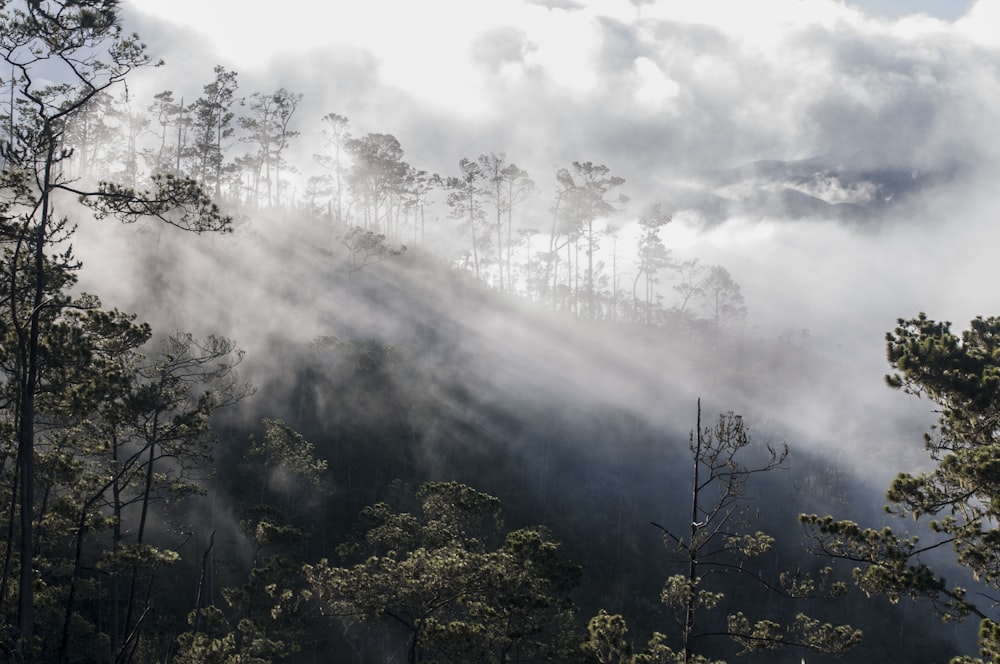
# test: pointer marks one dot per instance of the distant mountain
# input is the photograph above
(850, 189)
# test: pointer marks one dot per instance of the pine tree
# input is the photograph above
(85, 52)
(959, 499)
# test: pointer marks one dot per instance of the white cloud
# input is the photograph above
(980, 23)
(654, 89)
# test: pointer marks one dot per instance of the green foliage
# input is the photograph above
(269, 617)
(69, 397)
(989, 644)
(607, 644)
(252, 639)
(802, 631)
(679, 591)
(286, 453)
(889, 564)
(799, 584)
(960, 497)
(441, 575)
(719, 541)
(176, 200)
(222, 643)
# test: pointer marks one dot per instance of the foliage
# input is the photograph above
(377, 178)
(268, 617)
(718, 543)
(178, 201)
(267, 127)
(457, 593)
(582, 199)
(607, 644)
(653, 257)
(509, 187)
(366, 247)
(723, 299)
(960, 498)
(104, 435)
(467, 204)
(212, 122)
(62, 358)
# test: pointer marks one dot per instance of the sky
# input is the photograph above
(706, 84)
(897, 100)
(948, 10)
(445, 50)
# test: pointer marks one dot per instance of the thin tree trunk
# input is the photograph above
(510, 224)
(180, 137)
(26, 430)
(591, 304)
(81, 530)
(500, 260)
(134, 580)
(116, 538)
(692, 546)
(11, 531)
(472, 227)
(199, 601)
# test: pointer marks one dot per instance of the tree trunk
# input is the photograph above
(26, 419)
(692, 574)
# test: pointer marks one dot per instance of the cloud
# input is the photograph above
(654, 89)
(978, 21)
(710, 84)
(679, 98)
(660, 91)
(500, 47)
(566, 5)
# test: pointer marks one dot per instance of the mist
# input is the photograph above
(838, 164)
(897, 115)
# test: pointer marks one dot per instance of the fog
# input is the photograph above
(672, 99)
(841, 165)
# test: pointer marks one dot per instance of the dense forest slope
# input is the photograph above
(407, 371)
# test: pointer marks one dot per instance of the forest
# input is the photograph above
(356, 411)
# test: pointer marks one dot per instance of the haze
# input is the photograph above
(670, 95)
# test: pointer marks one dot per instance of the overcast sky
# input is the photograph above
(665, 86)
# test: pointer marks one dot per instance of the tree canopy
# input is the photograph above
(959, 499)
(459, 587)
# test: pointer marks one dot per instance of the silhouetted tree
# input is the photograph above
(722, 298)
(267, 127)
(467, 200)
(212, 122)
(582, 201)
(653, 257)
(169, 115)
(509, 186)
(377, 179)
(336, 136)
